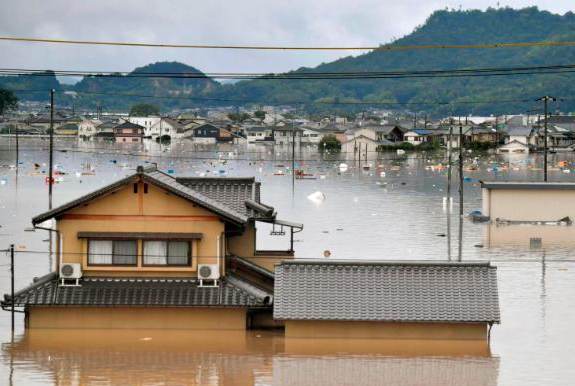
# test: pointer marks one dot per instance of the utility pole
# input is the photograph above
(449, 160)
(292, 158)
(51, 157)
(12, 285)
(545, 100)
(17, 149)
(460, 169)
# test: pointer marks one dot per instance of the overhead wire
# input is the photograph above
(386, 47)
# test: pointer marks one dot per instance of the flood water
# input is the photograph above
(399, 214)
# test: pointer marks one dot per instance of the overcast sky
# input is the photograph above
(258, 22)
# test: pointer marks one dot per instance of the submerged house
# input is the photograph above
(386, 299)
(153, 251)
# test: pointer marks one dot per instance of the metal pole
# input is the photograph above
(449, 160)
(292, 158)
(12, 285)
(460, 169)
(17, 150)
(545, 141)
(51, 159)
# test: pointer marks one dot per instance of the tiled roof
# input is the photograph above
(224, 196)
(128, 125)
(386, 291)
(232, 292)
(240, 194)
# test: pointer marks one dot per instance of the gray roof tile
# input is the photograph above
(232, 292)
(386, 291)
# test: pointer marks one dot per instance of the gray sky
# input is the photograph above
(293, 22)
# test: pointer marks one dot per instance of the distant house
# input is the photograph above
(171, 128)
(146, 122)
(128, 132)
(287, 135)
(106, 129)
(69, 129)
(88, 128)
(418, 136)
(392, 133)
(259, 134)
(386, 299)
(311, 136)
(206, 134)
(522, 134)
(513, 146)
(362, 146)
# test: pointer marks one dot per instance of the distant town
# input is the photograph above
(374, 130)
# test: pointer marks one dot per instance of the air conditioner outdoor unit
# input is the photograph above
(70, 272)
(209, 273)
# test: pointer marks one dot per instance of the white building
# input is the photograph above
(145, 122)
(258, 134)
(88, 128)
(170, 127)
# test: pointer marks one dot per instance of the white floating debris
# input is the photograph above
(316, 197)
(400, 151)
(343, 167)
(382, 174)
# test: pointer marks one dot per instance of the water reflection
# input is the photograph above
(237, 358)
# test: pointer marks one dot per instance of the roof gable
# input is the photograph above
(158, 179)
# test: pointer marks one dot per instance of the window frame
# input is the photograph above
(188, 264)
(113, 250)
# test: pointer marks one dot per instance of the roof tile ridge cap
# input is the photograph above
(360, 262)
(198, 195)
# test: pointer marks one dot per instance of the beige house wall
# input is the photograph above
(384, 330)
(137, 318)
(245, 246)
(126, 211)
(520, 236)
(528, 204)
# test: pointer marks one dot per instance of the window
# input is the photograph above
(166, 252)
(116, 252)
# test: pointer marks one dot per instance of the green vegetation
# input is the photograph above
(144, 110)
(442, 27)
(329, 143)
(260, 114)
(8, 101)
(238, 117)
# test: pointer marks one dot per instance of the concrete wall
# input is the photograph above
(126, 211)
(137, 318)
(384, 330)
(529, 204)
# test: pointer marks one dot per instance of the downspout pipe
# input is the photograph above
(59, 241)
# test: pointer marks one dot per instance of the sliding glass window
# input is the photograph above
(112, 252)
(162, 252)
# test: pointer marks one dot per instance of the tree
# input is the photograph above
(260, 114)
(8, 101)
(144, 110)
(329, 143)
(240, 117)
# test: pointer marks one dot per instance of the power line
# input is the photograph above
(300, 102)
(298, 75)
(386, 47)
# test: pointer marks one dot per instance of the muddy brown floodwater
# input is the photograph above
(397, 214)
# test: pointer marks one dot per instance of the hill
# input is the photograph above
(446, 27)
(442, 27)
